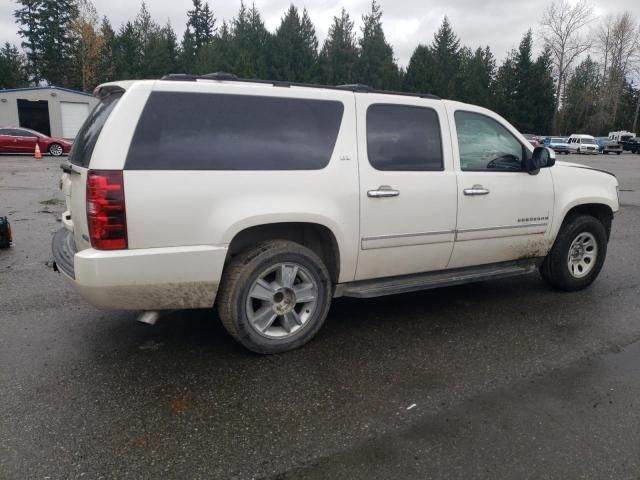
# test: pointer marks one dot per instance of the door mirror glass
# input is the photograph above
(542, 157)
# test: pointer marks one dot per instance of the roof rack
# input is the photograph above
(230, 77)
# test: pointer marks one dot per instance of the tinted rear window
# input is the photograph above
(204, 131)
(87, 136)
(403, 138)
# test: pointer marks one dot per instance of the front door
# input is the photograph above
(407, 186)
(504, 213)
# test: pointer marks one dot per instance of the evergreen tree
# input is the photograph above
(503, 99)
(525, 89)
(105, 70)
(542, 93)
(445, 56)
(250, 44)
(128, 52)
(219, 54)
(524, 103)
(476, 78)
(295, 48)
(198, 34)
(48, 39)
(161, 53)
(339, 53)
(581, 98)
(376, 66)
(57, 40)
(12, 67)
(418, 77)
(28, 20)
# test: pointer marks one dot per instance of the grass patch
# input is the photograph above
(52, 201)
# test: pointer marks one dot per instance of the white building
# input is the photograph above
(54, 111)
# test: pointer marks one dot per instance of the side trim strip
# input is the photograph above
(407, 235)
(502, 227)
(426, 238)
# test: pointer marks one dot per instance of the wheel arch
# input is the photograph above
(317, 237)
(601, 211)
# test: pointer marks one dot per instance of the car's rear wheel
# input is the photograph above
(274, 297)
(577, 256)
(55, 149)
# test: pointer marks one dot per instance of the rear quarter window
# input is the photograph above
(88, 134)
(206, 131)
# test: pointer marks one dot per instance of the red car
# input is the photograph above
(23, 140)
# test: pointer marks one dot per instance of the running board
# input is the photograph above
(442, 278)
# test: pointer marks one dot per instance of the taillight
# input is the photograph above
(105, 209)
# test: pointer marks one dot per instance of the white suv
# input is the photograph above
(269, 199)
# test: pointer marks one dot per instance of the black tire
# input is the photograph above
(55, 150)
(618, 153)
(555, 269)
(239, 277)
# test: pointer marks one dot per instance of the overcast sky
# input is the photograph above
(497, 23)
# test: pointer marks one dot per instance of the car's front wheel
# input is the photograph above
(577, 256)
(275, 296)
(55, 149)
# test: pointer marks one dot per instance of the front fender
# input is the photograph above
(576, 185)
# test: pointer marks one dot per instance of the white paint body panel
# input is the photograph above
(510, 222)
(414, 231)
(181, 223)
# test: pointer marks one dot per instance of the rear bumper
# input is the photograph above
(142, 279)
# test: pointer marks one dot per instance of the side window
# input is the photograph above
(403, 138)
(209, 131)
(25, 133)
(486, 145)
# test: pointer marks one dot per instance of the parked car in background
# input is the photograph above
(621, 135)
(631, 145)
(23, 140)
(286, 196)
(534, 140)
(606, 145)
(557, 144)
(580, 143)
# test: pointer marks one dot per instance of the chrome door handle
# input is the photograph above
(383, 191)
(476, 190)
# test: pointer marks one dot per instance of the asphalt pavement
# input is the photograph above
(501, 379)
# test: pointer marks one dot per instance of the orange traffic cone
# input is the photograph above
(37, 155)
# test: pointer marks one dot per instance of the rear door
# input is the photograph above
(407, 186)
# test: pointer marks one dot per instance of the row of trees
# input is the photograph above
(536, 93)
(598, 93)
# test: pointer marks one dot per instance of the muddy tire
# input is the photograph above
(577, 256)
(274, 297)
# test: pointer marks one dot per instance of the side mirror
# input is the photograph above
(541, 157)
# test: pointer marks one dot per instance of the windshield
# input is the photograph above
(589, 141)
(88, 135)
(557, 140)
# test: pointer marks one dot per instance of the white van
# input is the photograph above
(621, 136)
(269, 199)
(579, 143)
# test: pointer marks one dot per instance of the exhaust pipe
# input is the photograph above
(149, 317)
